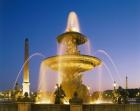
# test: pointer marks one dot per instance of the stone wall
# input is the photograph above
(112, 107)
(52, 107)
(49, 107)
(99, 107)
(8, 107)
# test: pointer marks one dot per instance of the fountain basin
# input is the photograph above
(72, 63)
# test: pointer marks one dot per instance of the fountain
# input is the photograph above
(70, 64)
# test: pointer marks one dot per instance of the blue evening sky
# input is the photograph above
(111, 25)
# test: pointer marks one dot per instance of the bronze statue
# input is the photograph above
(59, 94)
(75, 99)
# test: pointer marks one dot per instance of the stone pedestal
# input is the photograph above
(75, 107)
(24, 107)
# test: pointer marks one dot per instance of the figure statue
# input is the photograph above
(75, 99)
(59, 95)
(26, 98)
(120, 96)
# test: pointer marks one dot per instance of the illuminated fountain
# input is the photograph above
(69, 63)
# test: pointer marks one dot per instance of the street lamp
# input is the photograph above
(114, 85)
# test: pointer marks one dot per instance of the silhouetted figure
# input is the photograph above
(59, 95)
(75, 99)
(26, 98)
(120, 96)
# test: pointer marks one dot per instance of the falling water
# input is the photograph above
(33, 55)
(100, 77)
(46, 84)
(100, 83)
(72, 23)
(61, 50)
(42, 78)
(42, 85)
(86, 48)
(108, 70)
(100, 72)
(112, 62)
(100, 99)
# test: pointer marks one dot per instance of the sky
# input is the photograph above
(110, 25)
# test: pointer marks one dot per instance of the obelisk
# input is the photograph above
(26, 82)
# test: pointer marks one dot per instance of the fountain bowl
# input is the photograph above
(72, 63)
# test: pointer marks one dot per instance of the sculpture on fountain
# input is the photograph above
(75, 99)
(59, 94)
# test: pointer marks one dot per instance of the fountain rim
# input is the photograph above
(81, 38)
(70, 55)
(83, 62)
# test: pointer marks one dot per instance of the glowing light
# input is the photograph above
(114, 84)
(101, 102)
(88, 87)
(43, 101)
(55, 87)
(66, 102)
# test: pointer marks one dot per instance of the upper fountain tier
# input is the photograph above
(72, 36)
(70, 41)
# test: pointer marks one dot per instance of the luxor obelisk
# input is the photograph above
(26, 82)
